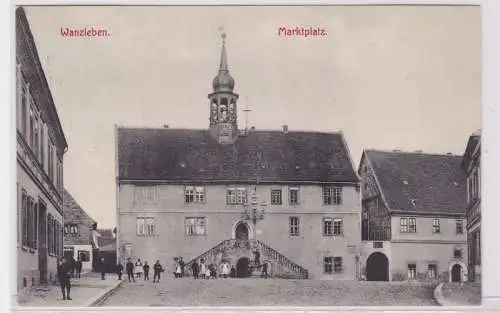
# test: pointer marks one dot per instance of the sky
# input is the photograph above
(388, 77)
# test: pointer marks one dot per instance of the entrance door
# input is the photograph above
(241, 232)
(42, 242)
(377, 267)
(455, 273)
(242, 268)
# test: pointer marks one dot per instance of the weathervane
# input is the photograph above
(223, 34)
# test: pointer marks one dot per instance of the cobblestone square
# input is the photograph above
(269, 292)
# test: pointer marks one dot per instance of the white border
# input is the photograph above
(490, 153)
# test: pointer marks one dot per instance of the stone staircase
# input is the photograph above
(231, 250)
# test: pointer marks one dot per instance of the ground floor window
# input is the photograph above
(332, 265)
(432, 270)
(412, 271)
(195, 226)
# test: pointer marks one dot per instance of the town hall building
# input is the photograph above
(222, 193)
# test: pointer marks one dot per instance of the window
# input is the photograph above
(31, 223)
(59, 177)
(432, 271)
(457, 253)
(50, 237)
(236, 195)
(408, 225)
(195, 226)
(51, 161)
(84, 255)
(66, 229)
(146, 226)
(337, 265)
(328, 265)
(436, 228)
(24, 106)
(294, 226)
(276, 197)
(333, 227)
(194, 194)
(412, 271)
(73, 229)
(42, 145)
(338, 227)
(459, 227)
(24, 219)
(145, 193)
(332, 195)
(294, 195)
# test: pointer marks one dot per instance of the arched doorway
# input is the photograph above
(242, 267)
(377, 267)
(456, 273)
(241, 232)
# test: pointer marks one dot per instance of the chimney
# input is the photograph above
(165, 126)
(285, 128)
(252, 128)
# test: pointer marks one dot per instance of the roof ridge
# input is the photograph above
(398, 151)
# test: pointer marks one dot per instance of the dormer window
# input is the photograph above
(405, 182)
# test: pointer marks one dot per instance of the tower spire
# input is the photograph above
(223, 57)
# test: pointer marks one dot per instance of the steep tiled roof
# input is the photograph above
(266, 156)
(73, 212)
(418, 182)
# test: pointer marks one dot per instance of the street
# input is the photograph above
(278, 292)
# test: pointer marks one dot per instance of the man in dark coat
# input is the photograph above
(257, 257)
(264, 270)
(145, 268)
(102, 268)
(63, 274)
(119, 270)
(78, 267)
(195, 269)
(130, 270)
(157, 268)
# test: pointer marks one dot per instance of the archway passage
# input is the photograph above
(241, 232)
(377, 267)
(456, 273)
(242, 268)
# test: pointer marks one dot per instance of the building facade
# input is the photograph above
(472, 167)
(413, 216)
(41, 145)
(220, 194)
(78, 230)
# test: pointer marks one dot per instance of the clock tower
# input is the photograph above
(223, 109)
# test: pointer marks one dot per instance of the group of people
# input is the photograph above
(207, 271)
(139, 270)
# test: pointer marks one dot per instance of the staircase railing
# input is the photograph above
(283, 265)
(280, 267)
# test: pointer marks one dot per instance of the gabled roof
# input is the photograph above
(473, 142)
(264, 156)
(73, 212)
(419, 182)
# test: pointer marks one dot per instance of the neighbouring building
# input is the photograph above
(78, 241)
(222, 193)
(41, 145)
(471, 165)
(413, 216)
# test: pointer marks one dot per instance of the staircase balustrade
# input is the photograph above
(281, 265)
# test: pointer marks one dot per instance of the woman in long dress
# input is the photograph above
(138, 268)
(225, 269)
(203, 269)
(178, 271)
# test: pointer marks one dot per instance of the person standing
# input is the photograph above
(178, 271)
(102, 268)
(195, 268)
(225, 270)
(263, 273)
(119, 270)
(233, 272)
(257, 257)
(157, 268)
(182, 264)
(63, 274)
(78, 266)
(203, 269)
(130, 270)
(138, 268)
(146, 270)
